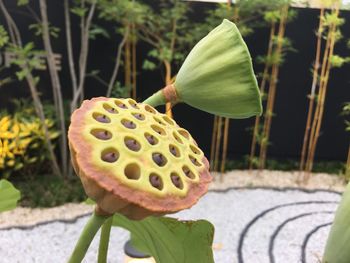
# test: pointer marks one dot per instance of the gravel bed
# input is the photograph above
(252, 225)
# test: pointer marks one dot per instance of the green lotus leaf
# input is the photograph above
(170, 240)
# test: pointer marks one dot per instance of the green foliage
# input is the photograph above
(22, 2)
(169, 31)
(4, 38)
(38, 30)
(49, 191)
(97, 31)
(120, 91)
(124, 12)
(169, 240)
(22, 143)
(338, 61)
(9, 196)
(28, 59)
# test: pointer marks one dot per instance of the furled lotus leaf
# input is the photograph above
(338, 243)
(134, 160)
(217, 76)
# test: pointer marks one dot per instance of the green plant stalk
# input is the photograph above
(86, 237)
(104, 241)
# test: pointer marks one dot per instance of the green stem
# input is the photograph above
(88, 234)
(156, 99)
(104, 241)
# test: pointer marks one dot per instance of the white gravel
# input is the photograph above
(276, 236)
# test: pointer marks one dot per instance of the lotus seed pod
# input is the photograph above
(217, 77)
(134, 160)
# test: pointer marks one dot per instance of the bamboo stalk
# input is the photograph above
(224, 151)
(218, 144)
(134, 66)
(328, 53)
(313, 91)
(323, 94)
(213, 141)
(272, 89)
(262, 91)
(127, 64)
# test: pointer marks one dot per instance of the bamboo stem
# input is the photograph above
(134, 66)
(272, 89)
(323, 94)
(326, 67)
(262, 91)
(224, 150)
(218, 144)
(313, 91)
(213, 141)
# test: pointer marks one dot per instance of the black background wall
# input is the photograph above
(291, 102)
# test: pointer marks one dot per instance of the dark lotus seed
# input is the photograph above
(139, 116)
(129, 124)
(173, 151)
(112, 110)
(151, 139)
(102, 118)
(176, 180)
(132, 145)
(194, 161)
(156, 182)
(110, 157)
(159, 159)
(122, 105)
(103, 135)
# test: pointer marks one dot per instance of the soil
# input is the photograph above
(241, 179)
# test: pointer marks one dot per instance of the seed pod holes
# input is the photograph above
(152, 140)
(110, 155)
(187, 171)
(159, 159)
(132, 171)
(176, 180)
(128, 124)
(132, 144)
(109, 108)
(156, 181)
(139, 116)
(174, 150)
(101, 134)
(101, 117)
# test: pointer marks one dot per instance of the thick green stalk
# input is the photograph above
(156, 99)
(88, 234)
(104, 240)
